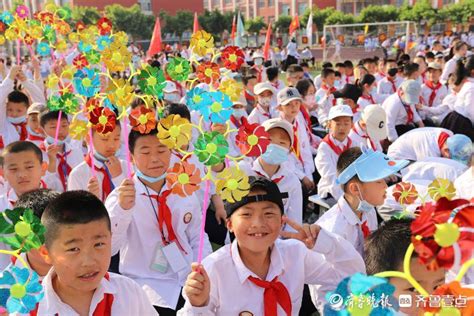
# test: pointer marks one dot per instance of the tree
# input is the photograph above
(131, 20)
(376, 13)
(255, 25)
(88, 15)
(422, 10)
(178, 24)
(457, 12)
(319, 17)
(283, 23)
(213, 22)
(338, 17)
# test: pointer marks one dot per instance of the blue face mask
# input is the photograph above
(275, 155)
(364, 206)
(32, 132)
(16, 120)
(149, 179)
(99, 157)
(239, 113)
(50, 141)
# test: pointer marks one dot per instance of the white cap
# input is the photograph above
(240, 101)
(35, 108)
(257, 55)
(375, 120)
(281, 123)
(170, 87)
(340, 110)
(434, 65)
(287, 95)
(411, 91)
(263, 86)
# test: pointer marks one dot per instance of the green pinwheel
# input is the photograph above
(151, 81)
(66, 103)
(178, 69)
(211, 148)
(93, 57)
(21, 229)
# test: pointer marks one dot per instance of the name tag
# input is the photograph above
(159, 262)
(175, 257)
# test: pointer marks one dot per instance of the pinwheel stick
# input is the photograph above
(203, 221)
(127, 150)
(57, 128)
(468, 264)
(92, 153)
(32, 53)
(18, 53)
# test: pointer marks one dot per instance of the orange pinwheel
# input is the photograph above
(142, 120)
(208, 72)
(183, 179)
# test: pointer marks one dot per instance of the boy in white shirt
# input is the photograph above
(391, 82)
(157, 232)
(272, 164)
(289, 104)
(35, 134)
(63, 156)
(361, 174)
(78, 245)
(324, 96)
(260, 274)
(401, 112)
(110, 171)
(371, 129)
(333, 144)
(432, 92)
(261, 112)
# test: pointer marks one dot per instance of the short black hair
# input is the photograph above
(348, 64)
(327, 64)
(37, 200)
(134, 135)
(294, 68)
(303, 86)
(340, 65)
(410, 68)
(47, 116)
(272, 73)
(177, 108)
(304, 64)
(22, 146)
(369, 61)
(70, 208)
(18, 97)
(247, 78)
(345, 159)
(385, 248)
(430, 55)
(326, 72)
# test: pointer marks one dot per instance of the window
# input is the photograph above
(285, 9)
(227, 1)
(261, 3)
(145, 5)
(271, 3)
(301, 8)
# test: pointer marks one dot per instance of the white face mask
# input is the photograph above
(265, 102)
(364, 206)
(310, 99)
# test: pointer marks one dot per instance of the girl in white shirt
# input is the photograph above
(368, 85)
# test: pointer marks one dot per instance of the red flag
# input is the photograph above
(268, 39)
(232, 34)
(295, 24)
(155, 44)
(196, 23)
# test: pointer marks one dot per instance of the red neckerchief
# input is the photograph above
(306, 115)
(423, 77)
(165, 218)
(442, 138)
(338, 150)
(276, 85)
(21, 129)
(434, 89)
(259, 73)
(32, 137)
(381, 74)
(365, 229)
(348, 77)
(369, 98)
(275, 294)
(262, 111)
(250, 98)
(104, 308)
(394, 86)
(2, 145)
(107, 184)
(235, 121)
(64, 169)
(296, 145)
(408, 110)
(355, 129)
(276, 180)
(331, 90)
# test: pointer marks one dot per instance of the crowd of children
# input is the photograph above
(117, 244)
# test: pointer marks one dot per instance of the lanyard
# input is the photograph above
(163, 237)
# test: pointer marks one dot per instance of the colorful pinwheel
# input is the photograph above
(120, 93)
(104, 25)
(194, 98)
(233, 57)
(232, 88)
(442, 233)
(208, 72)
(215, 107)
(43, 49)
(405, 193)
(116, 57)
(103, 42)
(201, 43)
(440, 188)
(232, 184)
(142, 120)
(22, 11)
(78, 129)
(103, 120)
(178, 69)
(151, 81)
(21, 229)
(86, 82)
(183, 179)
(211, 148)
(80, 61)
(252, 139)
(174, 131)
(453, 291)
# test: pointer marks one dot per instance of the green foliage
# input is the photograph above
(457, 12)
(213, 22)
(255, 25)
(338, 17)
(422, 10)
(131, 20)
(283, 23)
(319, 17)
(376, 13)
(179, 23)
(88, 15)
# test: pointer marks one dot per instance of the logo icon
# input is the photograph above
(405, 300)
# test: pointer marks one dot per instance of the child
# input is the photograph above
(294, 73)
(391, 82)
(272, 164)
(341, 68)
(368, 87)
(384, 251)
(318, 79)
(401, 112)
(361, 176)
(264, 92)
(350, 94)
(289, 104)
(324, 95)
(432, 91)
(35, 134)
(272, 75)
(78, 246)
(156, 232)
(380, 70)
(333, 144)
(23, 170)
(349, 72)
(371, 129)
(110, 171)
(37, 201)
(249, 82)
(260, 274)
(62, 157)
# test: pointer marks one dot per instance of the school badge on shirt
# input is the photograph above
(245, 313)
(187, 217)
